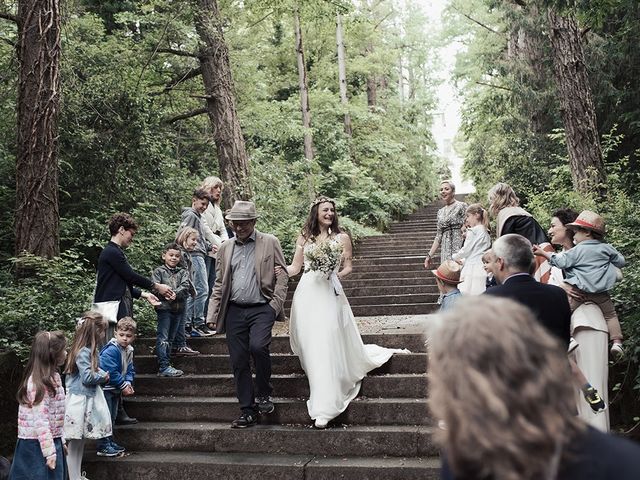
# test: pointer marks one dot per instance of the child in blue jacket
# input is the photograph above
(116, 358)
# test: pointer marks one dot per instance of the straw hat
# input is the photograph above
(448, 272)
(242, 210)
(589, 220)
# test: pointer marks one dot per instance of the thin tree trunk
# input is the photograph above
(304, 91)
(221, 104)
(576, 101)
(372, 83)
(37, 214)
(342, 73)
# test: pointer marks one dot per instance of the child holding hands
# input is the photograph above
(39, 453)
(171, 310)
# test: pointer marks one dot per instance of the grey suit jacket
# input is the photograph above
(268, 255)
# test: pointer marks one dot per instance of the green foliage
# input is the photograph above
(51, 298)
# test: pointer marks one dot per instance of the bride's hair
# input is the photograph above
(311, 228)
(506, 399)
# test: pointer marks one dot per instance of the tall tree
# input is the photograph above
(304, 90)
(577, 108)
(37, 215)
(220, 102)
(342, 73)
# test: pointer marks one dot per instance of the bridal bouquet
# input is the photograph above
(325, 257)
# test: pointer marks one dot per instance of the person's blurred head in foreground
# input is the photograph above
(502, 389)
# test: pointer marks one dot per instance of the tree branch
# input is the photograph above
(184, 116)
(261, 20)
(9, 16)
(475, 21)
(494, 86)
(180, 53)
(178, 79)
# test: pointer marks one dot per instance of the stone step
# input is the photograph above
(375, 251)
(243, 466)
(355, 440)
(393, 237)
(293, 385)
(400, 309)
(404, 260)
(280, 364)
(397, 267)
(406, 298)
(280, 344)
(376, 281)
(377, 274)
(361, 411)
(378, 290)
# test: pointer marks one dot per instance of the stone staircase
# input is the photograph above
(184, 423)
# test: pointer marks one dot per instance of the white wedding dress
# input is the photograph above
(325, 337)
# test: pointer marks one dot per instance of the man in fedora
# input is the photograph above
(247, 298)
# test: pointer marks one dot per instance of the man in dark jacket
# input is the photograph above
(511, 266)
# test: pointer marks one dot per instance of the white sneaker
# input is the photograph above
(321, 423)
(617, 350)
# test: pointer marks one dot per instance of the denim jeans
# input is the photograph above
(113, 400)
(211, 279)
(195, 306)
(168, 324)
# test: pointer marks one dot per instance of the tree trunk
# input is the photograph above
(37, 214)
(372, 84)
(342, 74)
(577, 109)
(304, 91)
(220, 103)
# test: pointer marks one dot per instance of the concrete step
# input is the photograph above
(243, 466)
(375, 251)
(280, 344)
(349, 285)
(361, 411)
(365, 290)
(280, 364)
(381, 440)
(293, 385)
(394, 237)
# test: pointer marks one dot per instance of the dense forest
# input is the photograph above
(156, 95)
(283, 99)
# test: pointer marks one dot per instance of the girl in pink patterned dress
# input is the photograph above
(40, 449)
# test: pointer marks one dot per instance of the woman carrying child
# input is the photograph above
(477, 241)
(86, 413)
(39, 453)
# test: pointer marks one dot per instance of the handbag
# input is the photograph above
(108, 310)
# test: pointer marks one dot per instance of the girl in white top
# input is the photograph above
(477, 241)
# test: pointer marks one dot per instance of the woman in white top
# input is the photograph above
(588, 327)
(215, 231)
(477, 241)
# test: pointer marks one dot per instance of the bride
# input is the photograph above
(324, 334)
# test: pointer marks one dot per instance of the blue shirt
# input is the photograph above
(590, 265)
(449, 299)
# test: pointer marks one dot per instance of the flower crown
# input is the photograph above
(322, 199)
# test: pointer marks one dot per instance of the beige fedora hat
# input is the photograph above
(448, 272)
(589, 221)
(242, 210)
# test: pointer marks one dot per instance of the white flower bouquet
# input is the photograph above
(324, 257)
